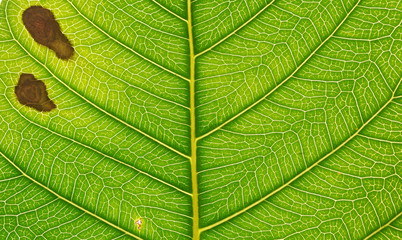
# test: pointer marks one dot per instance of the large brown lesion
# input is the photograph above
(43, 27)
(32, 93)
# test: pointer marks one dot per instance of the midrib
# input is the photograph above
(194, 180)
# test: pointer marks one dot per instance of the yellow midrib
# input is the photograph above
(194, 180)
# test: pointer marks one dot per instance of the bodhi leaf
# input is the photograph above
(204, 119)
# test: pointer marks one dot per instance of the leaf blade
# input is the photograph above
(281, 120)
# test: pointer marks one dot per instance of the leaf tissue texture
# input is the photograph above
(205, 119)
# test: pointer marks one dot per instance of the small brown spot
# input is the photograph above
(32, 93)
(45, 30)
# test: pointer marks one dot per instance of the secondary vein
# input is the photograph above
(69, 201)
(125, 46)
(281, 83)
(306, 170)
(383, 226)
(101, 153)
(169, 11)
(236, 30)
(96, 106)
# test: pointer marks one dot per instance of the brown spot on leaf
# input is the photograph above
(45, 30)
(32, 93)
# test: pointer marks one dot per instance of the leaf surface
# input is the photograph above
(247, 119)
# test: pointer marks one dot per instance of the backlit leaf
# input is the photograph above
(203, 119)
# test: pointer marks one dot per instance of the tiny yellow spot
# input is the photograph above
(138, 223)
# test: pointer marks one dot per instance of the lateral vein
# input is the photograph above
(86, 100)
(281, 83)
(125, 46)
(69, 201)
(103, 154)
(383, 226)
(169, 11)
(236, 30)
(306, 170)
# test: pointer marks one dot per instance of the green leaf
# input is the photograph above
(207, 119)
